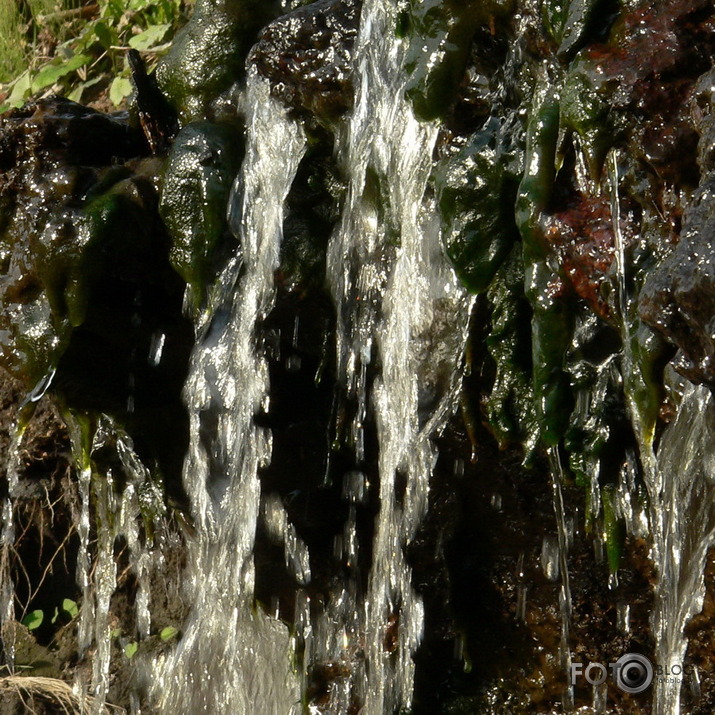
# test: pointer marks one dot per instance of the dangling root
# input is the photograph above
(48, 695)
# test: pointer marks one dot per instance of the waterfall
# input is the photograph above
(544, 177)
(398, 302)
(396, 298)
(687, 513)
(232, 657)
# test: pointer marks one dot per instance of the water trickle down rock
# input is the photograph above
(228, 386)
(307, 56)
(679, 298)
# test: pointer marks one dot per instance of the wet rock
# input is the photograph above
(86, 289)
(679, 298)
(703, 111)
(312, 210)
(509, 404)
(56, 130)
(156, 118)
(307, 57)
(52, 153)
(636, 85)
(476, 192)
(582, 235)
(200, 172)
(440, 36)
(208, 54)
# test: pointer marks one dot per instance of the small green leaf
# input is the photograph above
(76, 94)
(69, 606)
(150, 37)
(168, 633)
(54, 71)
(55, 615)
(103, 35)
(20, 90)
(120, 88)
(138, 5)
(130, 649)
(33, 620)
(116, 633)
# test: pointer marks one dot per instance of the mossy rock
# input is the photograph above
(509, 405)
(199, 174)
(441, 35)
(208, 54)
(476, 192)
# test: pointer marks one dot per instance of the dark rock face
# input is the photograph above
(52, 154)
(679, 298)
(86, 287)
(58, 129)
(306, 55)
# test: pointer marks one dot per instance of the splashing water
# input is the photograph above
(232, 658)
(679, 477)
(396, 305)
(687, 511)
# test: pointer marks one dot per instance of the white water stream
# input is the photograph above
(687, 513)
(233, 658)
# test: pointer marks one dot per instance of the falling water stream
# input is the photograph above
(402, 320)
(687, 511)
(210, 672)
(396, 298)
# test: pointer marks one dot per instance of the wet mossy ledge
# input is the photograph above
(573, 176)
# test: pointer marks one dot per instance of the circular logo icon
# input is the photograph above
(634, 673)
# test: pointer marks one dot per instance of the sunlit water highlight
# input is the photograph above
(232, 657)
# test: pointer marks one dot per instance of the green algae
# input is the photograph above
(552, 317)
(509, 406)
(585, 109)
(441, 34)
(613, 528)
(553, 16)
(475, 194)
(208, 54)
(200, 171)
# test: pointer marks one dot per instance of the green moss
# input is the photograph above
(199, 174)
(644, 378)
(552, 318)
(208, 54)
(613, 527)
(509, 406)
(441, 33)
(598, 410)
(585, 109)
(537, 183)
(476, 196)
(553, 16)
(30, 341)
